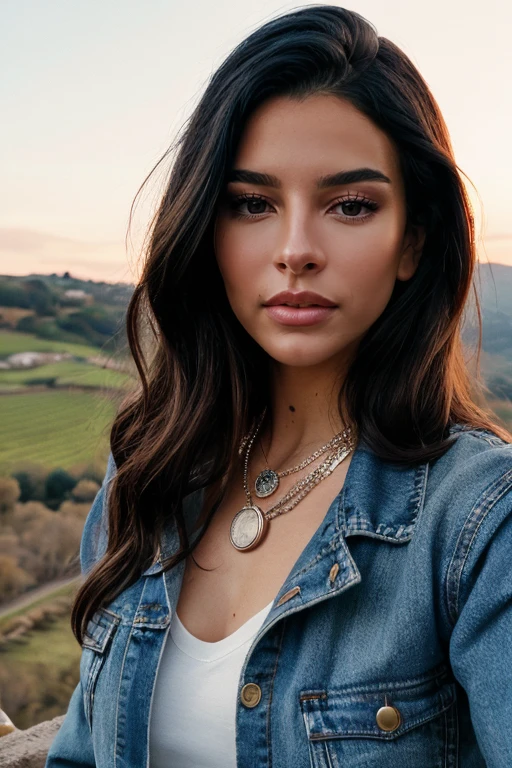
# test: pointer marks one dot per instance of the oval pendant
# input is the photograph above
(248, 528)
(266, 483)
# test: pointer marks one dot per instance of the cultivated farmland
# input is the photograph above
(11, 342)
(56, 429)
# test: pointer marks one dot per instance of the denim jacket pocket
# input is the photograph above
(350, 726)
(96, 641)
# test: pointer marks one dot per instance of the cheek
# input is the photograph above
(239, 264)
(239, 278)
(367, 272)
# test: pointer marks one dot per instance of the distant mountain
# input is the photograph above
(495, 289)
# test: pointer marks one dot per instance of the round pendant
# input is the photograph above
(248, 528)
(266, 483)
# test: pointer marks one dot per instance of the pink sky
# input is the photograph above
(95, 93)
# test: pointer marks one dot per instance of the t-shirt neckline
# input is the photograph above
(206, 651)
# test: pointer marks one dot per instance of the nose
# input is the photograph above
(298, 253)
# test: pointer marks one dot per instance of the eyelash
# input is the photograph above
(370, 205)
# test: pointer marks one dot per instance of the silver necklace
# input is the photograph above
(249, 526)
(267, 481)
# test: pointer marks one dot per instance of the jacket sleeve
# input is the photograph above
(72, 746)
(480, 602)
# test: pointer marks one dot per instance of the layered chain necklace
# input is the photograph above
(250, 524)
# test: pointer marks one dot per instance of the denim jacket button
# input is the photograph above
(250, 695)
(388, 718)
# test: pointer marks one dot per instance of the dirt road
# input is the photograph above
(25, 600)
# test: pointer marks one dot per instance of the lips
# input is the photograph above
(287, 315)
(299, 299)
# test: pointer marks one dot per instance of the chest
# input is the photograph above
(323, 669)
(222, 588)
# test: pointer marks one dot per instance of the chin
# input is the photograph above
(301, 357)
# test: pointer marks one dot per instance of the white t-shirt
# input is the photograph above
(194, 702)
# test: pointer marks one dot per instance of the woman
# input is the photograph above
(300, 552)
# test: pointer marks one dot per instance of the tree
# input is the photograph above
(56, 547)
(41, 298)
(31, 479)
(13, 295)
(9, 493)
(13, 579)
(59, 483)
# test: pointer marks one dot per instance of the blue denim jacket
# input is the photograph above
(402, 599)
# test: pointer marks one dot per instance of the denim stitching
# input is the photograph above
(106, 630)
(479, 432)
(334, 544)
(420, 485)
(95, 666)
(439, 673)
(99, 654)
(452, 735)
(491, 495)
(413, 722)
(104, 508)
(121, 678)
(164, 642)
(271, 688)
(329, 757)
(354, 523)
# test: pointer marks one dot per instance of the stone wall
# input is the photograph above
(28, 749)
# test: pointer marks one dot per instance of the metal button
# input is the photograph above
(388, 718)
(250, 695)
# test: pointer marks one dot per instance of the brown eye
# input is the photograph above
(351, 207)
(255, 205)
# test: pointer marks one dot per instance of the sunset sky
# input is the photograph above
(93, 92)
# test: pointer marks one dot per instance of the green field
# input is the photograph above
(13, 341)
(66, 373)
(54, 428)
(43, 669)
(67, 590)
(55, 645)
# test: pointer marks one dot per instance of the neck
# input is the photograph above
(304, 412)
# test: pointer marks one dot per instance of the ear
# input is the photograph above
(412, 249)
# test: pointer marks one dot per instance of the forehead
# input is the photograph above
(320, 133)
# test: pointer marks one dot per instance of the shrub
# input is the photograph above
(13, 295)
(75, 510)
(31, 478)
(9, 493)
(13, 579)
(27, 324)
(85, 490)
(43, 381)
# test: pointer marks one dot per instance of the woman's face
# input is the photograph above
(283, 225)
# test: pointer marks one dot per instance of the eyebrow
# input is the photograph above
(332, 180)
